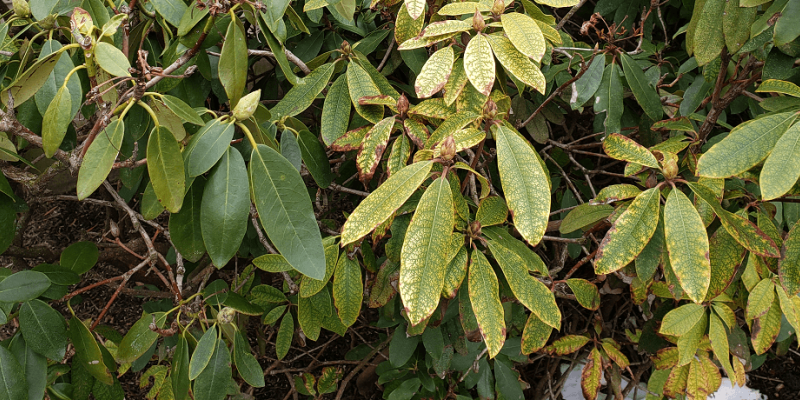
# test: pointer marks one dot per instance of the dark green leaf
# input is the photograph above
(165, 166)
(213, 382)
(203, 352)
(80, 257)
(233, 62)
(43, 328)
(23, 286)
(225, 208)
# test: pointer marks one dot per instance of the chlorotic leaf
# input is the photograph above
(347, 290)
(479, 64)
(680, 320)
(415, 8)
(782, 168)
(709, 32)
(585, 292)
(335, 111)
(626, 149)
(535, 334)
(372, 148)
(525, 35)
(435, 73)
(630, 233)
(687, 243)
(789, 264)
(516, 62)
(485, 298)
(591, 374)
(300, 97)
(111, 59)
(778, 86)
(760, 299)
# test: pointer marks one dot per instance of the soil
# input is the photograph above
(779, 377)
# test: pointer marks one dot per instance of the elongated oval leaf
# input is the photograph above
(626, 149)
(183, 110)
(778, 86)
(630, 233)
(479, 64)
(43, 328)
(99, 158)
(213, 382)
(517, 63)
(747, 145)
(372, 148)
(682, 319)
(111, 59)
(284, 208)
(184, 225)
(360, 85)
(233, 62)
(435, 73)
(208, 145)
(335, 111)
(203, 352)
(315, 158)
(139, 338)
(29, 82)
(303, 94)
(485, 297)
(646, 95)
(56, 121)
(347, 290)
(383, 202)
(225, 208)
(789, 264)
(585, 87)
(246, 363)
(525, 184)
(525, 34)
(687, 243)
(782, 167)
(179, 375)
(165, 166)
(23, 286)
(11, 377)
(415, 8)
(87, 351)
(424, 258)
(607, 98)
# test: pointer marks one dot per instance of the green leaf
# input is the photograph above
(213, 382)
(111, 59)
(284, 208)
(626, 149)
(745, 146)
(646, 95)
(492, 211)
(203, 352)
(630, 233)
(689, 342)
(139, 338)
(534, 335)
(485, 296)
(267, 294)
(525, 184)
(525, 35)
(372, 148)
(11, 375)
(398, 155)
(607, 99)
(424, 255)
(586, 86)
(778, 86)
(311, 312)
(584, 215)
(360, 85)
(233, 62)
(415, 8)
(43, 329)
(532, 293)
(284, 339)
(179, 375)
(687, 244)
(33, 364)
(718, 336)
(786, 27)
(782, 168)
(335, 111)
(246, 363)
(789, 264)
(435, 73)
(315, 158)
(29, 82)
(383, 202)
(87, 351)
(507, 381)
(56, 121)
(23, 286)
(311, 286)
(680, 320)
(165, 166)
(208, 145)
(79, 257)
(171, 10)
(736, 23)
(303, 94)
(585, 292)
(479, 64)
(188, 21)
(516, 62)
(182, 110)
(347, 290)
(708, 36)
(99, 158)
(760, 299)
(225, 207)
(272, 263)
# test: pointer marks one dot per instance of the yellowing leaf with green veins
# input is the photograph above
(709, 40)
(56, 121)
(484, 294)
(524, 183)
(381, 203)
(432, 108)
(789, 308)
(335, 111)
(765, 329)
(455, 83)
(626, 149)
(558, 3)
(760, 299)
(434, 73)
(467, 7)
(687, 243)
(782, 168)
(630, 233)
(703, 379)
(450, 126)
(420, 42)
(591, 374)
(99, 160)
(584, 215)
(680, 320)
(398, 156)
(718, 337)
(517, 63)
(745, 146)
(617, 192)
(532, 293)
(534, 335)
(479, 64)
(567, 344)
(492, 211)
(468, 137)
(415, 8)
(725, 254)
(689, 342)
(778, 86)
(525, 35)
(361, 85)
(675, 384)
(612, 351)
(347, 290)
(446, 27)
(300, 97)
(456, 271)
(789, 264)
(406, 27)
(585, 292)
(372, 148)
(310, 286)
(424, 258)
(351, 140)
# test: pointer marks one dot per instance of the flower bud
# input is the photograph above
(489, 110)
(21, 8)
(226, 315)
(402, 105)
(346, 47)
(670, 168)
(477, 21)
(498, 7)
(447, 149)
(247, 106)
(48, 23)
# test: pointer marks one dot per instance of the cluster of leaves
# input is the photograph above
(229, 117)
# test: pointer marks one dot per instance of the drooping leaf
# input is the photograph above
(23, 286)
(360, 85)
(591, 374)
(765, 329)
(315, 159)
(584, 215)
(165, 166)
(285, 212)
(372, 148)
(479, 64)
(525, 184)
(185, 225)
(246, 363)
(347, 290)
(435, 73)
(203, 352)
(179, 375)
(56, 121)
(607, 99)
(485, 298)
(424, 255)
(708, 37)
(225, 208)
(383, 202)
(87, 351)
(760, 299)
(725, 255)
(99, 158)
(139, 338)
(212, 383)
(233, 62)
(630, 233)
(586, 292)
(687, 243)
(782, 167)
(335, 111)
(789, 264)
(29, 82)
(626, 149)
(535, 334)
(11, 375)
